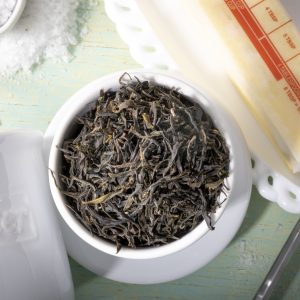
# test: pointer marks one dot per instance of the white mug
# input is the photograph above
(81, 102)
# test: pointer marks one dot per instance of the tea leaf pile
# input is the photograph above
(146, 166)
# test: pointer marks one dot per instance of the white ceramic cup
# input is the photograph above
(81, 102)
(14, 17)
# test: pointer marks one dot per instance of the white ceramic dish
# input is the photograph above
(198, 253)
(81, 102)
(270, 175)
(33, 260)
(13, 19)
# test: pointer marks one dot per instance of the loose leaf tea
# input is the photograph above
(146, 166)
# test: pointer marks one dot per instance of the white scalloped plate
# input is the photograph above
(270, 175)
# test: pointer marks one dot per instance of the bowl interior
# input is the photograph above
(82, 101)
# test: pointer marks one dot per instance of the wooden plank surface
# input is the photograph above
(31, 100)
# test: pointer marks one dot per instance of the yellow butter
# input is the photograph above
(274, 101)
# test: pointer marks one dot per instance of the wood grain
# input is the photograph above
(31, 100)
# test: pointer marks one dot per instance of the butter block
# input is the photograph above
(264, 45)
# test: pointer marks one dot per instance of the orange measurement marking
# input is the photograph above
(254, 33)
(263, 44)
(289, 41)
(256, 4)
(292, 57)
(271, 14)
(291, 74)
(280, 26)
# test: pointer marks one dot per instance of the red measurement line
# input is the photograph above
(251, 22)
(288, 76)
(268, 47)
(280, 26)
(247, 28)
(275, 49)
(292, 57)
(264, 46)
(257, 4)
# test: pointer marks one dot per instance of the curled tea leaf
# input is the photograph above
(103, 198)
(145, 166)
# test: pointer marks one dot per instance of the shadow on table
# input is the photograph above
(81, 276)
(256, 209)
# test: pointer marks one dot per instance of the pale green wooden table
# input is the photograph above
(30, 101)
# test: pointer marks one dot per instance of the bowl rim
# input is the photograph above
(14, 17)
(87, 95)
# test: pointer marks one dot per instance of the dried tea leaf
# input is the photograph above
(103, 198)
(146, 165)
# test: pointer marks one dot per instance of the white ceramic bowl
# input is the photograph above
(14, 17)
(81, 102)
